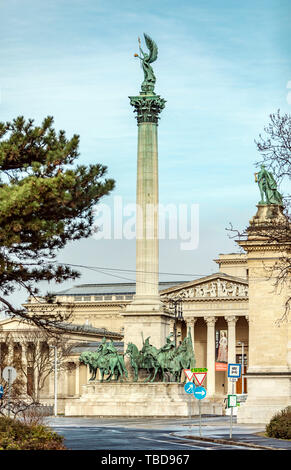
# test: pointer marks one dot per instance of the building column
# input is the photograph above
(231, 339)
(24, 364)
(191, 327)
(210, 321)
(10, 353)
(77, 378)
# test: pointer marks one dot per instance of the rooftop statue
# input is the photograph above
(148, 84)
(268, 187)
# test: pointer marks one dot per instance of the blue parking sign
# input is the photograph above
(234, 371)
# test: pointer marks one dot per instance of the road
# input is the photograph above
(121, 435)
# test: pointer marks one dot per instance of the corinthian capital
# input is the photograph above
(147, 107)
(231, 319)
(210, 320)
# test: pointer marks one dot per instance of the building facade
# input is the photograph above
(213, 308)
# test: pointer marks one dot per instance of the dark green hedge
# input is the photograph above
(280, 425)
(15, 435)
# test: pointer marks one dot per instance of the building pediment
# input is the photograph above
(216, 286)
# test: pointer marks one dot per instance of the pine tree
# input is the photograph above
(46, 201)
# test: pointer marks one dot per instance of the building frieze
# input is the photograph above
(217, 289)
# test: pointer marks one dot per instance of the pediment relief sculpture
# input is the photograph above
(216, 288)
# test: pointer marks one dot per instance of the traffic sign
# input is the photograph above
(189, 374)
(1, 391)
(200, 377)
(189, 387)
(9, 374)
(231, 401)
(199, 393)
(234, 371)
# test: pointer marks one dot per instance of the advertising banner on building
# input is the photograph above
(221, 350)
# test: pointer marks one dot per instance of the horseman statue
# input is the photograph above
(107, 360)
(169, 361)
(165, 364)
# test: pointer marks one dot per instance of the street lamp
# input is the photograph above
(56, 379)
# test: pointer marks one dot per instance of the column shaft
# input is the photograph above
(231, 355)
(210, 355)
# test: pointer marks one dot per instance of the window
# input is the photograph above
(87, 298)
(107, 297)
(98, 297)
(128, 297)
(119, 297)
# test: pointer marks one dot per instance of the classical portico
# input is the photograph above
(211, 304)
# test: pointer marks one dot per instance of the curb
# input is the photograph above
(226, 441)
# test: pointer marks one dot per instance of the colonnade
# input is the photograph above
(210, 346)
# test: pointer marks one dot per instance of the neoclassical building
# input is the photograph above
(213, 308)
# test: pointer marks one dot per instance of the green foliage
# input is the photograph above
(15, 435)
(280, 425)
(46, 201)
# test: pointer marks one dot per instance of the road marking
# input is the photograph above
(171, 442)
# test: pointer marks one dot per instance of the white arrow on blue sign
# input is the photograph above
(189, 387)
(200, 393)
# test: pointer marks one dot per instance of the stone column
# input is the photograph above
(24, 364)
(37, 361)
(210, 321)
(77, 378)
(191, 327)
(231, 345)
(145, 316)
(10, 353)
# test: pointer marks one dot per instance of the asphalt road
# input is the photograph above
(112, 438)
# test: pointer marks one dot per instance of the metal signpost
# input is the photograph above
(198, 392)
(9, 374)
(234, 373)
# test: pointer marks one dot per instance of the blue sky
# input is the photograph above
(223, 67)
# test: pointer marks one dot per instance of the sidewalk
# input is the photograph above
(241, 434)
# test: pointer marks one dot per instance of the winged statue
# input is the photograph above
(148, 84)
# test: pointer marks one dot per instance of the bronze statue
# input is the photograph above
(107, 360)
(165, 364)
(268, 187)
(148, 84)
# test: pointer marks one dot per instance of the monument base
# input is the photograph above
(142, 323)
(268, 394)
(137, 399)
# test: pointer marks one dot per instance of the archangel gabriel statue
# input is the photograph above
(148, 84)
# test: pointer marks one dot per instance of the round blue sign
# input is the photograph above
(189, 387)
(199, 393)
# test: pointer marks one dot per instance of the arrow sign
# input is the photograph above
(189, 387)
(199, 393)
(200, 376)
(189, 374)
